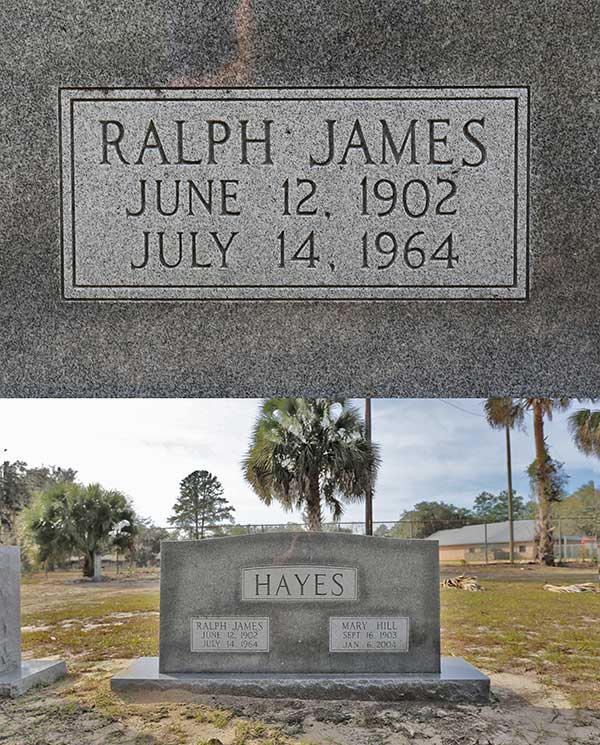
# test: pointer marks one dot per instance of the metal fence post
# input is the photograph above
(560, 551)
(486, 540)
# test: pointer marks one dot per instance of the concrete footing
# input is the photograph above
(31, 673)
(458, 681)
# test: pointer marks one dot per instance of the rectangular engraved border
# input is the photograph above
(517, 291)
(233, 651)
(354, 570)
(368, 651)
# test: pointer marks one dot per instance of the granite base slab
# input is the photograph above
(31, 673)
(458, 681)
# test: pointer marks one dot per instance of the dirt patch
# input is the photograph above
(83, 711)
(60, 589)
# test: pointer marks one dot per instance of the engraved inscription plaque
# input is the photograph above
(293, 194)
(237, 634)
(299, 583)
(368, 634)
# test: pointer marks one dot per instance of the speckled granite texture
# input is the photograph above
(31, 673)
(551, 344)
(457, 682)
(10, 609)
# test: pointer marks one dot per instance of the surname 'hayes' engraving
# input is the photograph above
(299, 583)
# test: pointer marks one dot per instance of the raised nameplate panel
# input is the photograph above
(374, 634)
(299, 583)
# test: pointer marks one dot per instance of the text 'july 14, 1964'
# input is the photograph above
(294, 194)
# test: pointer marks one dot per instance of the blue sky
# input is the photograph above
(431, 449)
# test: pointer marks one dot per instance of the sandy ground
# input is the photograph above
(62, 587)
(522, 712)
(45, 594)
(82, 711)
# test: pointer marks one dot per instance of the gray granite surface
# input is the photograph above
(31, 673)
(548, 345)
(17, 676)
(457, 682)
(10, 608)
(299, 603)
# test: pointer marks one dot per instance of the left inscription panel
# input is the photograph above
(294, 194)
(237, 634)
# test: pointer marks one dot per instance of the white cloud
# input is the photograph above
(430, 448)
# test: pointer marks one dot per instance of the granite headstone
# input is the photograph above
(303, 614)
(17, 675)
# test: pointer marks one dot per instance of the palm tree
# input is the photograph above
(506, 414)
(544, 407)
(304, 452)
(70, 517)
(584, 425)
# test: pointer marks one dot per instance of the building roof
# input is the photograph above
(524, 531)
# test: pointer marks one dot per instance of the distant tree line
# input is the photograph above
(578, 513)
(55, 518)
(307, 454)
(18, 485)
(426, 518)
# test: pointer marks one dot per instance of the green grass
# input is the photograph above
(519, 627)
(109, 636)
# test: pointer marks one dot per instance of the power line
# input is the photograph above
(466, 411)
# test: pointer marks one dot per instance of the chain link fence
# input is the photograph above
(575, 538)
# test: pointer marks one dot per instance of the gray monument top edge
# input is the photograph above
(306, 536)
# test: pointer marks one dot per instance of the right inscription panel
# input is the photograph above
(368, 634)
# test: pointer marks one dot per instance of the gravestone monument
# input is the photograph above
(321, 615)
(98, 568)
(256, 198)
(17, 675)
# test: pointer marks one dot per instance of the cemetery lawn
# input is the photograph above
(517, 627)
(541, 643)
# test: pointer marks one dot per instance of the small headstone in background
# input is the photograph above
(17, 675)
(97, 568)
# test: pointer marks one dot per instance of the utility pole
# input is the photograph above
(511, 531)
(369, 494)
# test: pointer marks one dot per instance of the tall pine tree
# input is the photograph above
(200, 504)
